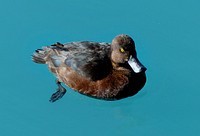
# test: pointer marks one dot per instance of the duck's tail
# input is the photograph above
(41, 55)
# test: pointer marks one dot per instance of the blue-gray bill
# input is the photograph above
(136, 65)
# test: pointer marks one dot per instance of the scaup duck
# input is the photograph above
(108, 71)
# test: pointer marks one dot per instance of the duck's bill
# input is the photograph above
(136, 65)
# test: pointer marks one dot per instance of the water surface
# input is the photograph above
(167, 41)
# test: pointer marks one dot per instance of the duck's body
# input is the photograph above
(98, 70)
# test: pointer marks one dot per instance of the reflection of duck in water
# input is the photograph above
(100, 70)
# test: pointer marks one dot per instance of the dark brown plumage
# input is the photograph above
(100, 70)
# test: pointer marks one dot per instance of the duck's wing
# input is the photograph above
(89, 59)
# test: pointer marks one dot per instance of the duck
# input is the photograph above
(107, 71)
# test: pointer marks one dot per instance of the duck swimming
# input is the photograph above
(108, 71)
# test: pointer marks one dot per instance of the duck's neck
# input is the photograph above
(118, 66)
(115, 65)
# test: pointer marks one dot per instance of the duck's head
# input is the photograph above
(123, 51)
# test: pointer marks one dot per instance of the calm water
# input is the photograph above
(168, 44)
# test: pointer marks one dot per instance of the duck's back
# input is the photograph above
(89, 59)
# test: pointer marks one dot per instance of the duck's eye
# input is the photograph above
(122, 50)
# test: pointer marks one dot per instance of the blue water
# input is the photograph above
(168, 44)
